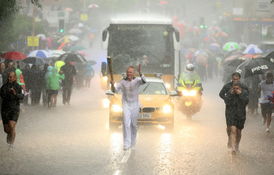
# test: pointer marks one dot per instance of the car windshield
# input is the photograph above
(152, 88)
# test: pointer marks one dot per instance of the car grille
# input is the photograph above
(149, 110)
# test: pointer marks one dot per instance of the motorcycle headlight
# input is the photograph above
(105, 78)
(167, 109)
(106, 103)
(116, 108)
(190, 93)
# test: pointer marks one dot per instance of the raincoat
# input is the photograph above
(20, 78)
(190, 78)
(53, 80)
(131, 106)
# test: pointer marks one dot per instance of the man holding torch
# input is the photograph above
(129, 87)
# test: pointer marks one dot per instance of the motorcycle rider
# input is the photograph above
(190, 77)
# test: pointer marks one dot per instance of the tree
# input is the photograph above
(8, 12)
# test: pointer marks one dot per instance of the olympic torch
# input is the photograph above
(111, 73)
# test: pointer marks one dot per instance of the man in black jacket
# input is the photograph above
(11, 93)
(235, 96)
(70, 72)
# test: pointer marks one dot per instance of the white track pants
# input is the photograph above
(130, 116)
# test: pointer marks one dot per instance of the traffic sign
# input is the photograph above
(84, 17)
(33, 41)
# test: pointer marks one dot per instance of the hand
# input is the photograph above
(13, 91)
(232, 91)
(238, 91)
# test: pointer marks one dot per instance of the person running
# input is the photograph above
(53, 86)
(130, 100)
(11, 93)
(70, 72)
(236, 101)
(266, 88)
(235, 78)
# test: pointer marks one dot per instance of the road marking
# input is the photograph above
(126, 156)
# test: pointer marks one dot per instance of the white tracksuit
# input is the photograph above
(131, 106)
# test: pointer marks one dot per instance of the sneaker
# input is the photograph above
(267, 130)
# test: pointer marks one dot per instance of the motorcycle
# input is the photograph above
(190, 101)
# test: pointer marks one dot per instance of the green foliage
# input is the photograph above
(12, 26)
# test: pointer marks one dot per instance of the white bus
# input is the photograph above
(154, 43)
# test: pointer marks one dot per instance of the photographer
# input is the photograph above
(11, 93)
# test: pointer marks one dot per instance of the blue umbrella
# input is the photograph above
(39, 54)
(252, 50)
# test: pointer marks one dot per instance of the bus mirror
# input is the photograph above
(104, 36)
(177, 35)
(104, 68)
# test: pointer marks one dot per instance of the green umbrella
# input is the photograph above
(76, 48)
(230, 46)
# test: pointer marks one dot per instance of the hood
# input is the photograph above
(154, 100)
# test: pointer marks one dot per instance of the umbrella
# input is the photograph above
(69, 37)
(34, 60)
(255, 66)
(93, 6)
(68, 9)
(75, 31)
(230, 46)
(15, 56)
(56, 53)
(42, 36)
(252, 50)
(73, 57)
(76, 48)
(39, 54)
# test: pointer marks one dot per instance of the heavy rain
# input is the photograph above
(136, 87)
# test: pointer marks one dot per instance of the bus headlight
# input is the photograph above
(116, 108)
(167, 109)
(106, 103)
(190, 93)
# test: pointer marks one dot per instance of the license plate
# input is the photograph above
(145, 115)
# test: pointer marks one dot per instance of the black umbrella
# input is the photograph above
(255, 66)
(34, 60)
(74, 57)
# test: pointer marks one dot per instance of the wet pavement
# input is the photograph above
(75, 139)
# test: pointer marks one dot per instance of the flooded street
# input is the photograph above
(76, 139)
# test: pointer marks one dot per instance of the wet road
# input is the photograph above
(75, 139)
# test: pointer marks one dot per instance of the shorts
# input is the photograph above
(52, 92)
(266, 108)
(239, 123)
(9, 116)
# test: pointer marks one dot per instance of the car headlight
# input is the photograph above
(188, 93)
(168, 86)
(105, 78)
(106, 103)
(167, 109)
(116, 108)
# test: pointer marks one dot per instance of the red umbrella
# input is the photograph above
(15, 56)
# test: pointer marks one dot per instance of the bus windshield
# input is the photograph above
(148, 44)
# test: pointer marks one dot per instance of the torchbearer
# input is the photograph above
(129, 87)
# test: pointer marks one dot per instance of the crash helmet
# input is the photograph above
(190, 67)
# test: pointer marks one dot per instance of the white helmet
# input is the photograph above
(190, 67)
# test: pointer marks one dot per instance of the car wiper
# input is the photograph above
(145, 88)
